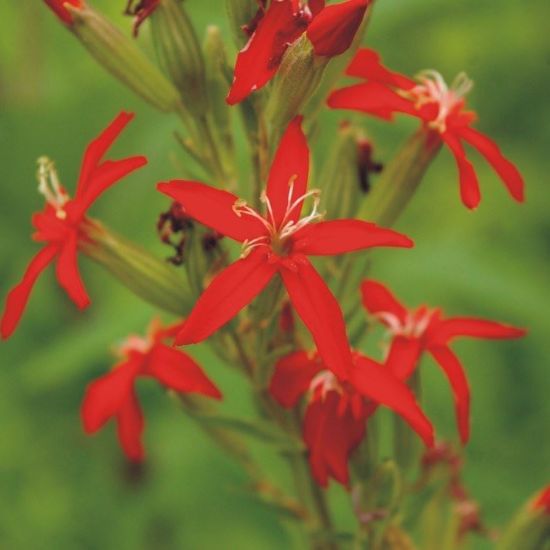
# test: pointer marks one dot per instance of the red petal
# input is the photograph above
(330, 438)
(130, 428)
(378, 299)
(457, 378)
(19, 295)
(469, 185)
(471, 327)
(334, 28)
(213, 208)
(95, 178)
(321, 314)
(367, 64)
(58, 7)
(371, 98)
(234, 288)
(290, 166)
(259, 60)
(316, 6)
(292, 377)
(376, 382)
(341, 236)
(177, 371)
(403, 357)
(67, 272)
(507, 171)
(105, 396)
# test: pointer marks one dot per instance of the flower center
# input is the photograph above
(432, 88)
(49, 186)
(323, 383)
(278, 234)
(414, 325)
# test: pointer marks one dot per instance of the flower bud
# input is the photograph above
(218, 76)
(152, 280)
(121, 57)
(530, 529)
(58, 7)
(340, 181)
(297, 79)
(400, 179)
(179, 53)
(243, 16)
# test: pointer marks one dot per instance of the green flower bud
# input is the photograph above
(179, 53)
(241, 14)
(121, 57)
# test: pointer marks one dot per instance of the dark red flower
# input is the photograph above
(441, 110)
(542, 501)
(62, 224)
(427, 330)
(58, 7)
(334, 421)
(330, 29)
(113, 395)
(141, 11)
(277, 241)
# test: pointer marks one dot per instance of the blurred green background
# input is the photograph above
(60, 489)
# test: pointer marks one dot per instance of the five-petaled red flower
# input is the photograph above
(58, 7)
(330, 29)
(334, 421)
(113, 395)
(141, 11)
(62, 224)
(424, 329)
(440, 108)
(277, 241)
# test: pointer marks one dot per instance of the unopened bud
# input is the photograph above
(119, 55)
(154, 281)
(340, 179)
(296, 81)
(530, 529)
(179, 53)
(243, 18)
(58, 7)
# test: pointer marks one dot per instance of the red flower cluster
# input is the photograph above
(58, 7)
(277, 241)
(113, 395)
(440, 108)
(337, 410)
(427, 330)
(62, 223)
(330, 29)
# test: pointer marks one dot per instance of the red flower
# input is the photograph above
(330, 29)
(424, 329)
(334, 421)
(277, 241)
(440, 108)
(542, 501)
(141, 11)
(113, 395)
(58, 7)
(62, 224)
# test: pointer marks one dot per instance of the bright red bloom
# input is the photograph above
(330, 29)
(62, 223)
(334, 421)
(277, 241)
(441, 110)
(113, 395)
(427, 330)
(542, 501)
(141, 11)
(58, 7)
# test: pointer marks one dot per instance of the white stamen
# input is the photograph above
(286, 227)
(432, 88)
(412, 327)
(50, 187)
(326, 382)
